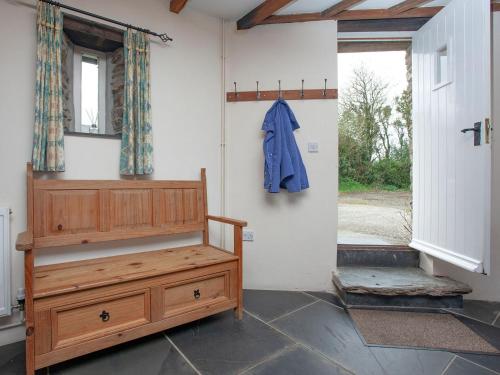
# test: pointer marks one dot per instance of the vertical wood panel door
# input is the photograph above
(452, 140)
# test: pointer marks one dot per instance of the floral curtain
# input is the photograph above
(48, 138)
(137, 139)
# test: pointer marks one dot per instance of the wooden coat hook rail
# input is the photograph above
(301, 94)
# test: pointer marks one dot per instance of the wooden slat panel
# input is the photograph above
(75, 211)
(104, 210)
(192, 205)
(170, 207)
(70, 212)
(130, 209)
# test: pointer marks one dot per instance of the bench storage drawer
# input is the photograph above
(188, 295)
(88, 320)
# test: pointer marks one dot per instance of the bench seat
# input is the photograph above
(68, 277)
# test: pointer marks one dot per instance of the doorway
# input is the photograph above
(375, 142)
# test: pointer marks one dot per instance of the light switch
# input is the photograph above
(313, 147)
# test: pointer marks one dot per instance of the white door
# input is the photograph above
(451, 175)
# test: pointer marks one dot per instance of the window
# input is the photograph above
(442, 67)
(89, 90)
(93, 78)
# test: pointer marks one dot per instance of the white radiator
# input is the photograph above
(5, 308)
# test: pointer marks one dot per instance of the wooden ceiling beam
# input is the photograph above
(259, 14)
(407, 5)
(354, 15)
(340, 7)
(392, 24)
(177, 5)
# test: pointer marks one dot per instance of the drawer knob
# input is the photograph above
(104, 316)
(197, 294)
(59, 227)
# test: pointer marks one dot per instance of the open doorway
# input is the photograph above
(375, 143)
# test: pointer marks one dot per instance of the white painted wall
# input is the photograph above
(487, 287)
(186, 111)
(295, 234)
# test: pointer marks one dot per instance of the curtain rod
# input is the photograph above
(164, 37)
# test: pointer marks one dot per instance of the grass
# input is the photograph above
(347, 185)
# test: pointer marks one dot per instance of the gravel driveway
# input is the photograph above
(374, 218)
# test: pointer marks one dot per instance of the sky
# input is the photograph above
(389, 66)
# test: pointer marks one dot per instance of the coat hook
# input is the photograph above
(279, 89)
(324, 91)
(258, 93)
(235, 90)
(302, 91)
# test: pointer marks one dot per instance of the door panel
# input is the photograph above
(452, 176)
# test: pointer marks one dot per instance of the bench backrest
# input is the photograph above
(69, 212)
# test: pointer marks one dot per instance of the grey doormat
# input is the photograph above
(418, 330)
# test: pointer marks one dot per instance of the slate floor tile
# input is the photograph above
(411, 361)
(269, 305)
(490, 361)
(221, 344)
(481, 310)
(12, 360)
(328, 297)
(488, 332)
(462, 367)
(153, 355)
(331, 331)
(297, 361)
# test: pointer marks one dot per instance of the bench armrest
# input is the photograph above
(222, 219)
(24, 241)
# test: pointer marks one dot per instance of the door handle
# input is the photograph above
(469, 130)
(477, 133)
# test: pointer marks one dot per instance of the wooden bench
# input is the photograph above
(79, 307)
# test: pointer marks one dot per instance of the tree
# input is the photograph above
(374, 137)
(362, 106)
(404, 125)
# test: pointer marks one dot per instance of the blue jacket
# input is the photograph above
(283, 164)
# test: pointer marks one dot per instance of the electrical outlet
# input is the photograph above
(247, 235)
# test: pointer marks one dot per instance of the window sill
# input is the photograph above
(441, 85)
(92, 135)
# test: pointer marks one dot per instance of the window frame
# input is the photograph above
(77, 88)
(448, 46)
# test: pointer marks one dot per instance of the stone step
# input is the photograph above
(377, 256)
(397, 287)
